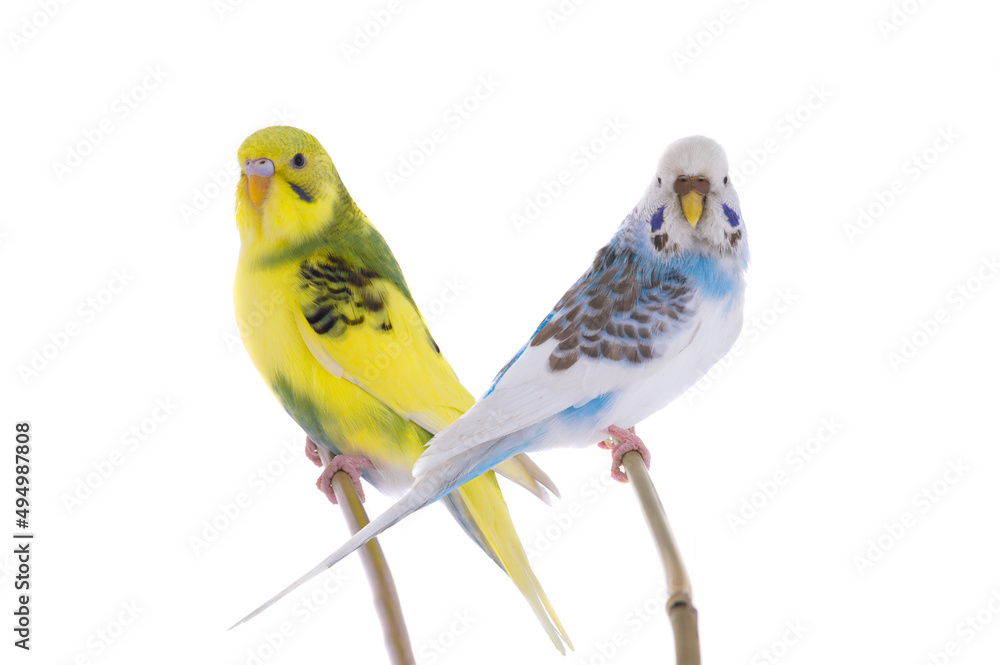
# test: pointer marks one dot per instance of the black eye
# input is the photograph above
(298, 161)
(658, 181)
(725, 181)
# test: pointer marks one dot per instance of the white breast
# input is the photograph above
(644, 390)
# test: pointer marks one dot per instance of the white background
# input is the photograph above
(821, 108)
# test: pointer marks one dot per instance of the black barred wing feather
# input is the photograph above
(364, 328)
(338, 297)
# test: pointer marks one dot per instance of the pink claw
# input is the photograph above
(628, 441)
(349, 464)
(312, 452)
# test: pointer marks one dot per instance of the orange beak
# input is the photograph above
(259, 186)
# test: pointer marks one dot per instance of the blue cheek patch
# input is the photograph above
(656, 221)
(731, 215)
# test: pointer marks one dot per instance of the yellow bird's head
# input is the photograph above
(287, 187)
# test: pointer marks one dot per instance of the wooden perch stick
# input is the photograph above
(390, 613)
(680, 608)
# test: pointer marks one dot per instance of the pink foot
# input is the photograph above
(349, 464)
(627, 441)
(312, 452)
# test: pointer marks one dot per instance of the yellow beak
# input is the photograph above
(693, 203)
(258, 188)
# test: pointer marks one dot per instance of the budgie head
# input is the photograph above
(287, 186)
(691, 203)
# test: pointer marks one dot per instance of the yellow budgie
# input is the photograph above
(344, 347)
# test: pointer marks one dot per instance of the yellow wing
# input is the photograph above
(361, 327)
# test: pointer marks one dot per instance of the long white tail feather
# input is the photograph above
(428, 488)
(407, 505)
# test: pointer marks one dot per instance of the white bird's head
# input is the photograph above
(691, 203)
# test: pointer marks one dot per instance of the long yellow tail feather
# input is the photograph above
(485, 504)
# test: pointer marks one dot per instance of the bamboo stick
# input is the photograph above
(390, 613)
(680, 606)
